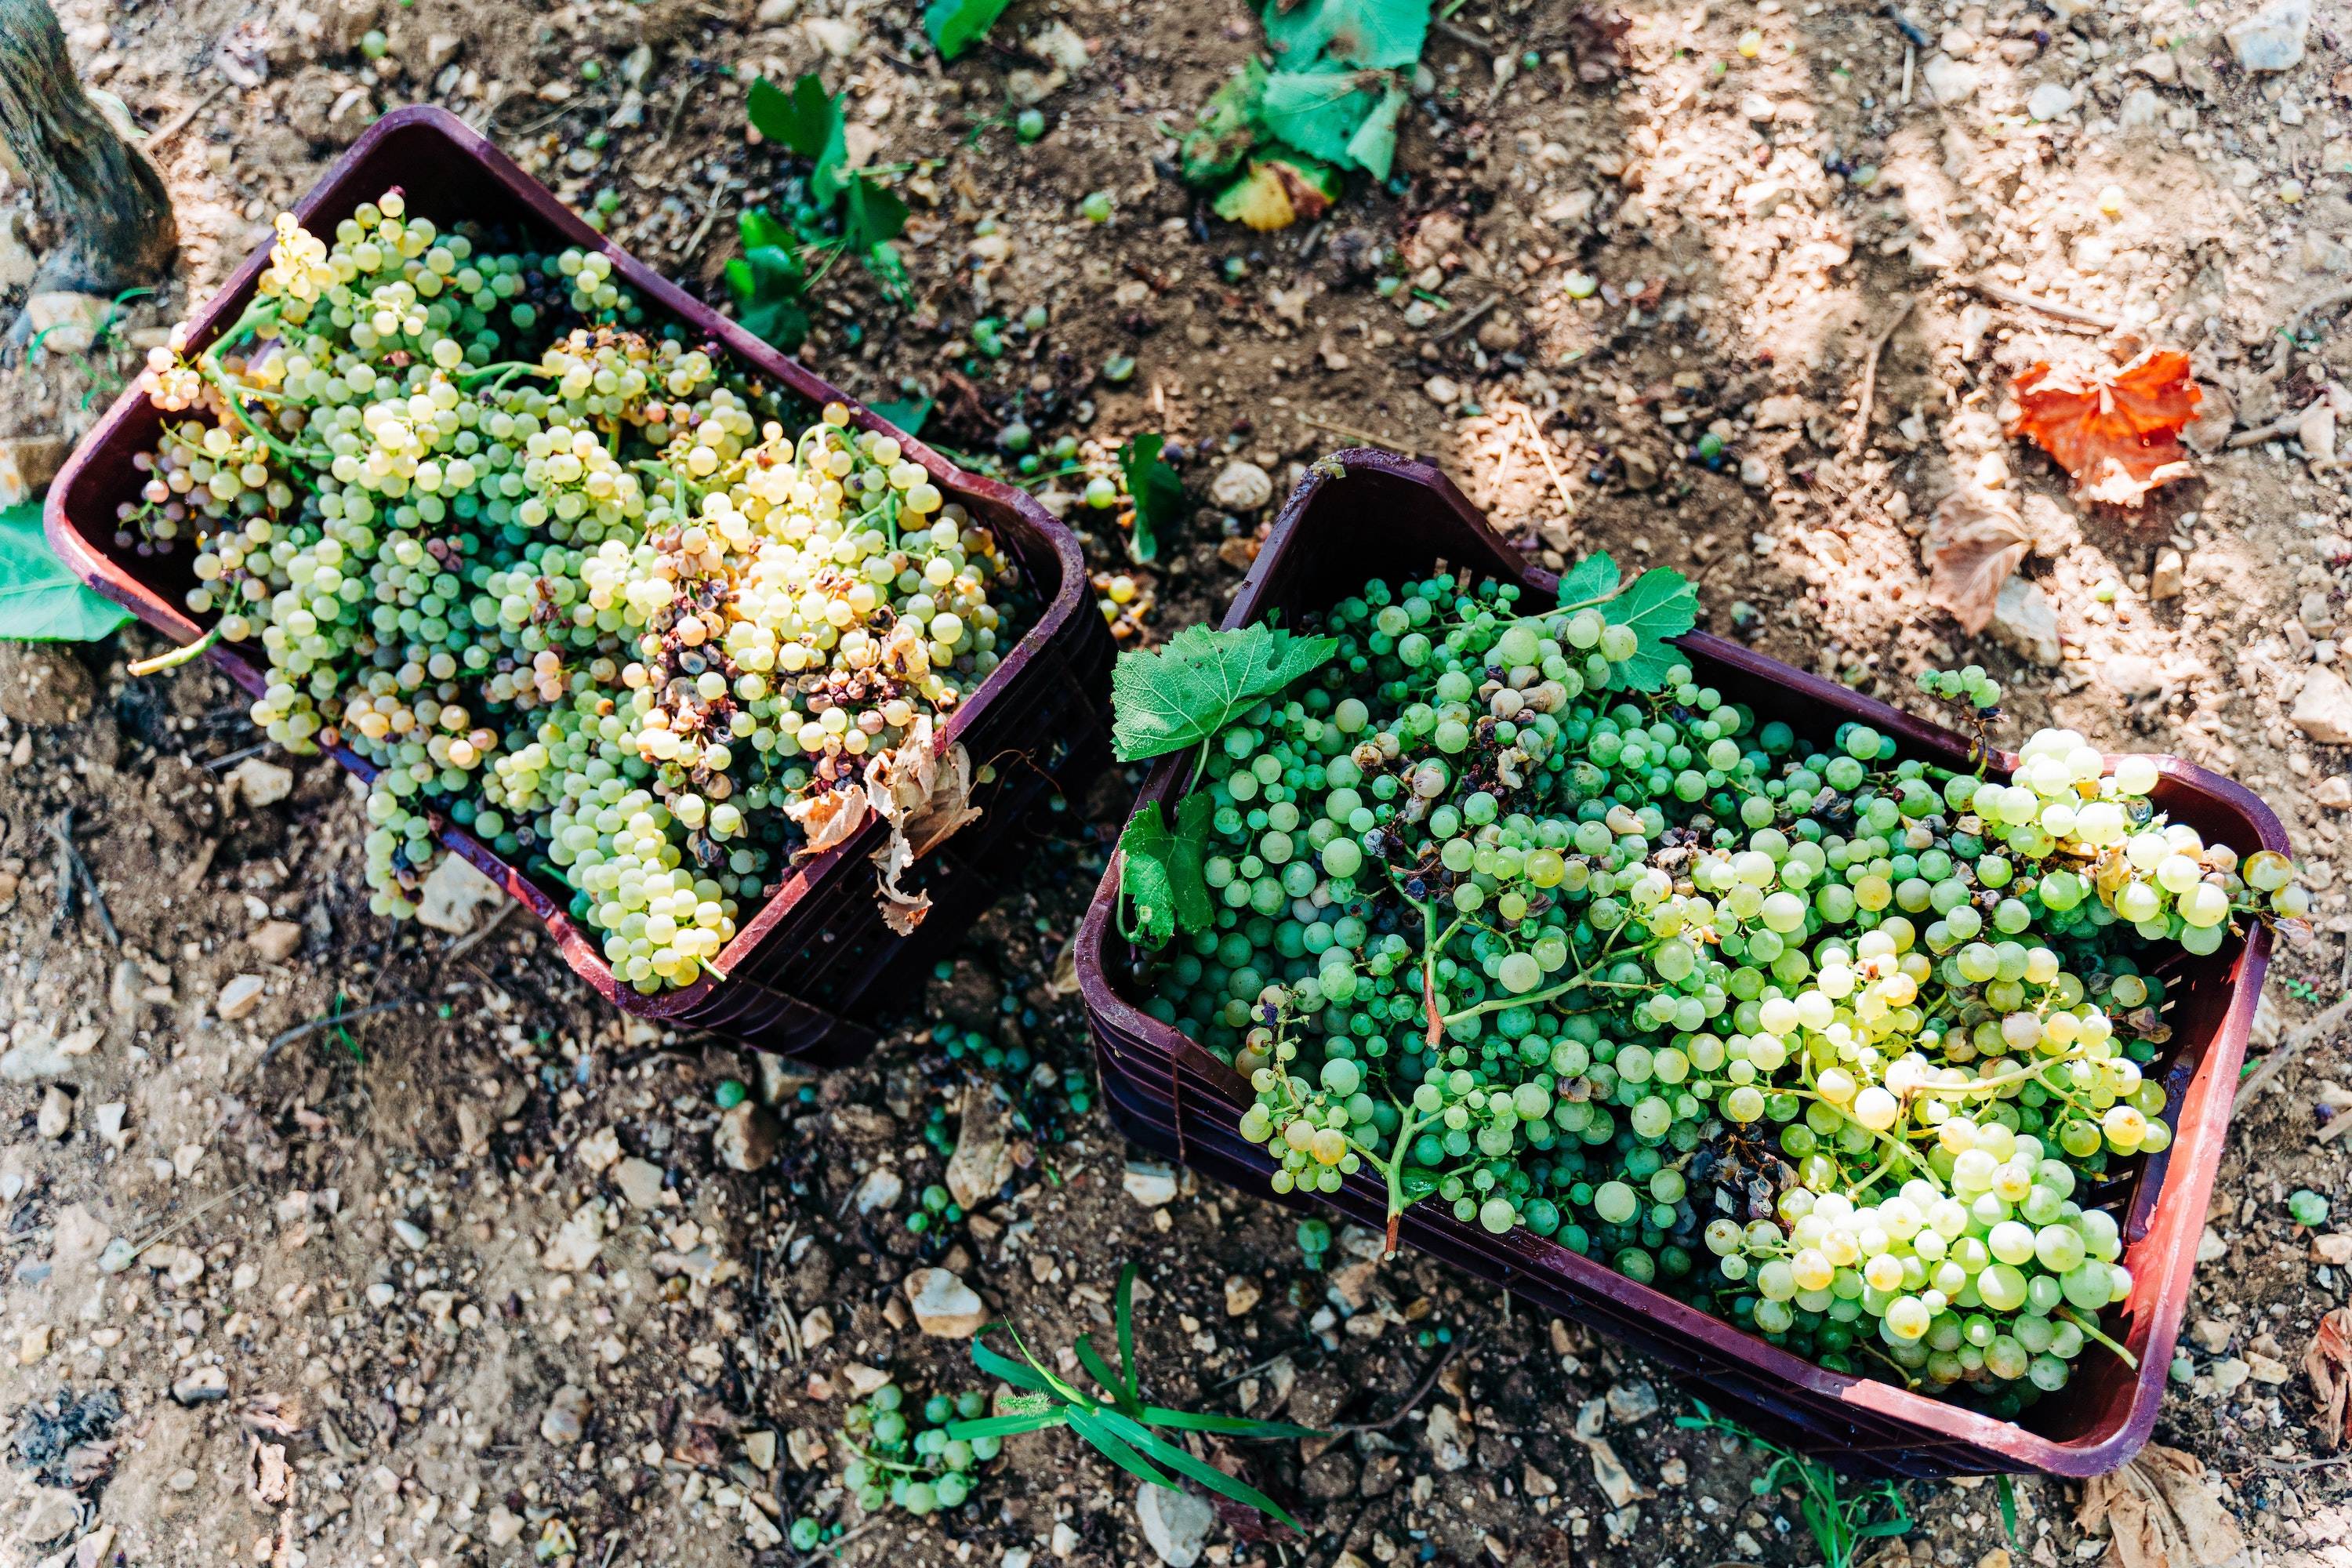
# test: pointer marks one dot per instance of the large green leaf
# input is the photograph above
(877, 215)
(1659, 606)
(769, 283)
(1374, 146)
(1228, 127)
(1177, 695)
(955, 25)
(1376, 33)
(40, 601)
(1156, 488)
(1589, 581)
(1320, 112)
(1188, 878)
(1144, 882)
(807, 120)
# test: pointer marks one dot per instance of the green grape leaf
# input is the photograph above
(1187, 859)
(769, 283)
(808, 122)
(1155, 487)
(1593, 579)
(1228, 127)
(1374, 33)
(40, 601)
(1146, 883)
(876, 214)
(1318, 111)
(1659, 606)
(907, 413)
(1374, 146)
(1179, 695)
(954, 26)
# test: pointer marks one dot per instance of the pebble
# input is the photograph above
(1064, 1540)
(1175, 1523)
(1633, 1400)
(774, 13)
(1952, 82)
(2268, 1369)
(2157, 65)
(35, 1346)
(1782, 411)
(2025, 622)
(747, 1137)
(2049, 101)
(2272, 38)
(945, 1307)
(640, 1182)
(205, 1385)
(1448, 1451)
(1443, 390)
(759, 1449)
(2333, 792)
(881, 1189)
(411, 1234)
(567, 1416)
(838, 38)
(1241, 1295)
(240, 996)
(1753, 473)
(2323, 710)
(111, 1131)
(55, 1118)
(2133, 675)
(258, 783)
(575, 1246)
(122, 988)
(453, 895)
(54, 1511)
(70, 320)
(2142, 108)
(599, 1150)
(1243, 486)
(1153, 1187)
(275, 941)
(2170, 578)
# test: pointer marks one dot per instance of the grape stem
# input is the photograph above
(176, 656)
(2091, 1330)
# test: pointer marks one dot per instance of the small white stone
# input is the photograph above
(881, 1189)
(1176, 1525)
(1243, 486)
(258, 782)
(1443, 390)
(945, 1307)
(411, 1234)
(2323, 710)
(1152, 1186)
(241, 995)
(2049, 101)
(599, 1150)
(453, 894)
(55, 1118)
(1951, 82)
(2272, 39)
(640, 1182)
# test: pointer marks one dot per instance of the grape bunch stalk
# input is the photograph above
(563, 577)
(1507, 910)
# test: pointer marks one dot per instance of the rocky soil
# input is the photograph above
(330, 1243)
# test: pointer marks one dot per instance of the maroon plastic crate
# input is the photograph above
(1364, 513)
(812, 968)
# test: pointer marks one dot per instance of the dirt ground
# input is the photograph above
(464, 1279)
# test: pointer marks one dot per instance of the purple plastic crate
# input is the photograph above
(1365, 513)
(812, 968)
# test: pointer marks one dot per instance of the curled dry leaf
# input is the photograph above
(924, 803)
(1972, 547)
(2117, 432)
(982, 1161)
(828, 818)
(2328, 1364)
(2160, 1510)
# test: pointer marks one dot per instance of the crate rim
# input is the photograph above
(580, 949)
(1110, 1013)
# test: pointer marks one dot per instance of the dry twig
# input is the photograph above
(2288, 1050)
(2047, 307)
(1859, 436)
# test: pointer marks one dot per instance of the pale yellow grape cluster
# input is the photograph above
(593, 602)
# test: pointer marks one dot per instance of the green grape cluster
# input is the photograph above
(561, 577)
(1841, 1046)
(1971, 686)
(913, 1464)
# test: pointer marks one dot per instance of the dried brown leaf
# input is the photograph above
(2160, 1510)
(982, 1161)
(1973, 546)
(2328, 1364)
(828, 817)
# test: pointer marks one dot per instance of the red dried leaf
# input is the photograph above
(2116, 431)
